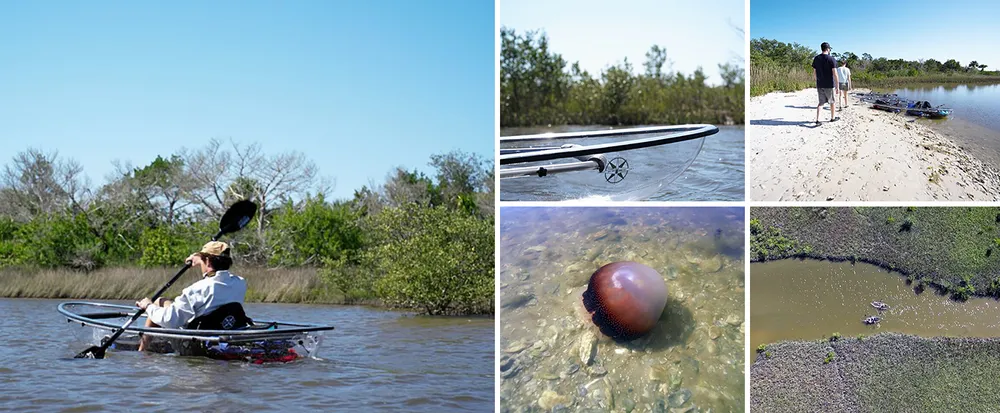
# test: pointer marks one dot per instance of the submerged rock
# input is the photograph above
(679, 397)
(588, 348)
(550, 399)
(509, 366)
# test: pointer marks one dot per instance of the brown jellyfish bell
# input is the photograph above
(625, 299)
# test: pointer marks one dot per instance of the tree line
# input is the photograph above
(416, 240)
(771, 60)
(538, 87)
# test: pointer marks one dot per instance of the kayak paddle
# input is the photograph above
(235, 218)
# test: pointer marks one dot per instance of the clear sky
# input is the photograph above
(359, 86)
(600, 33)
(964, 30)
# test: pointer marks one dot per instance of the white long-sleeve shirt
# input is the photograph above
(199, 299)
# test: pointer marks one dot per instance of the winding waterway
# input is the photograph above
(375, 360)
(811, 300)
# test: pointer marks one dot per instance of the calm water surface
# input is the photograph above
(716, 173)
(374, 361)
(810, 300)
(693, 358)
(975, 123)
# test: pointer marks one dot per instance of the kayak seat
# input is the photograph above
(227, 317)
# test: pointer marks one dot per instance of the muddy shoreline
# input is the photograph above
(952, 250)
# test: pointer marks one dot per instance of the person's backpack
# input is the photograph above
(227, 317)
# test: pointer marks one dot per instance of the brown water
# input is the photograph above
(694, 357)
(810, 300)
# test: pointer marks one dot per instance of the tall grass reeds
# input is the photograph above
(287, 285)
(765, 79)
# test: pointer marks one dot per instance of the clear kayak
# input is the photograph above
(616, 164)
(262, 342)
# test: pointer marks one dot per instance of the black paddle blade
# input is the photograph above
(95, 352)
(237, 216)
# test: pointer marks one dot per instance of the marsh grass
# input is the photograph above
(866, 81)
(767, 79)
(945, 248)
(295, 285)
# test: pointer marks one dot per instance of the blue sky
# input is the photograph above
(359, 86)
(911, 30)
(600, 33)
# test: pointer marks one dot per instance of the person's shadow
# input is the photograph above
(800, 107)
(778, 122)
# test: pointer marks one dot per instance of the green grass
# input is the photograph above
(873, 81)
(884, 373)
(949, 248)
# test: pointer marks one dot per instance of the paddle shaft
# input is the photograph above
(162, 290)
(141, 311)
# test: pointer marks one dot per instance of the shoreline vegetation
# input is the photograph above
(416, 242)
(883, 372)
(539, 88)
(955, 251)
(787, 67)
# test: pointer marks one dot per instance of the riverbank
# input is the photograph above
(298, 285)
(885, 372)
(866, 155)
(954, 250)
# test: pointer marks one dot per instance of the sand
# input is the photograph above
(866, 155)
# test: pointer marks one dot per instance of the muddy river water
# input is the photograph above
(810, 300)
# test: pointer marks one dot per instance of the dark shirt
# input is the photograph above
(824, 64)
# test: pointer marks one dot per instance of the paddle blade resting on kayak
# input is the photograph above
(236, 217)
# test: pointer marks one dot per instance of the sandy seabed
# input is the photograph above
(866, 155)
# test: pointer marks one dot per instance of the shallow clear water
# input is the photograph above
(694, 356)
(716, 173)
(975, 123)
(374, 361)
(811, 300)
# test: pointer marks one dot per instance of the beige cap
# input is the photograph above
(216, 248)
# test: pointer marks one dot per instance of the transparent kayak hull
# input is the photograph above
(611, 164)
(265, 341)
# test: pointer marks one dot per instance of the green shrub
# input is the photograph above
(434, 259)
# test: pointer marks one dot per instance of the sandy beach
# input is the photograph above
(866, 155)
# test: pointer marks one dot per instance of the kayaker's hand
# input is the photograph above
(145, 302)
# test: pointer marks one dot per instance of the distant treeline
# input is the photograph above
(778, 66)
(537, 88)
(416, 241)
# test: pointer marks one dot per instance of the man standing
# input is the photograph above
(825, 68)
(844, 80)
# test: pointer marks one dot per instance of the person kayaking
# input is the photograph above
(824, 67)
(844, 80)
(217, 288)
